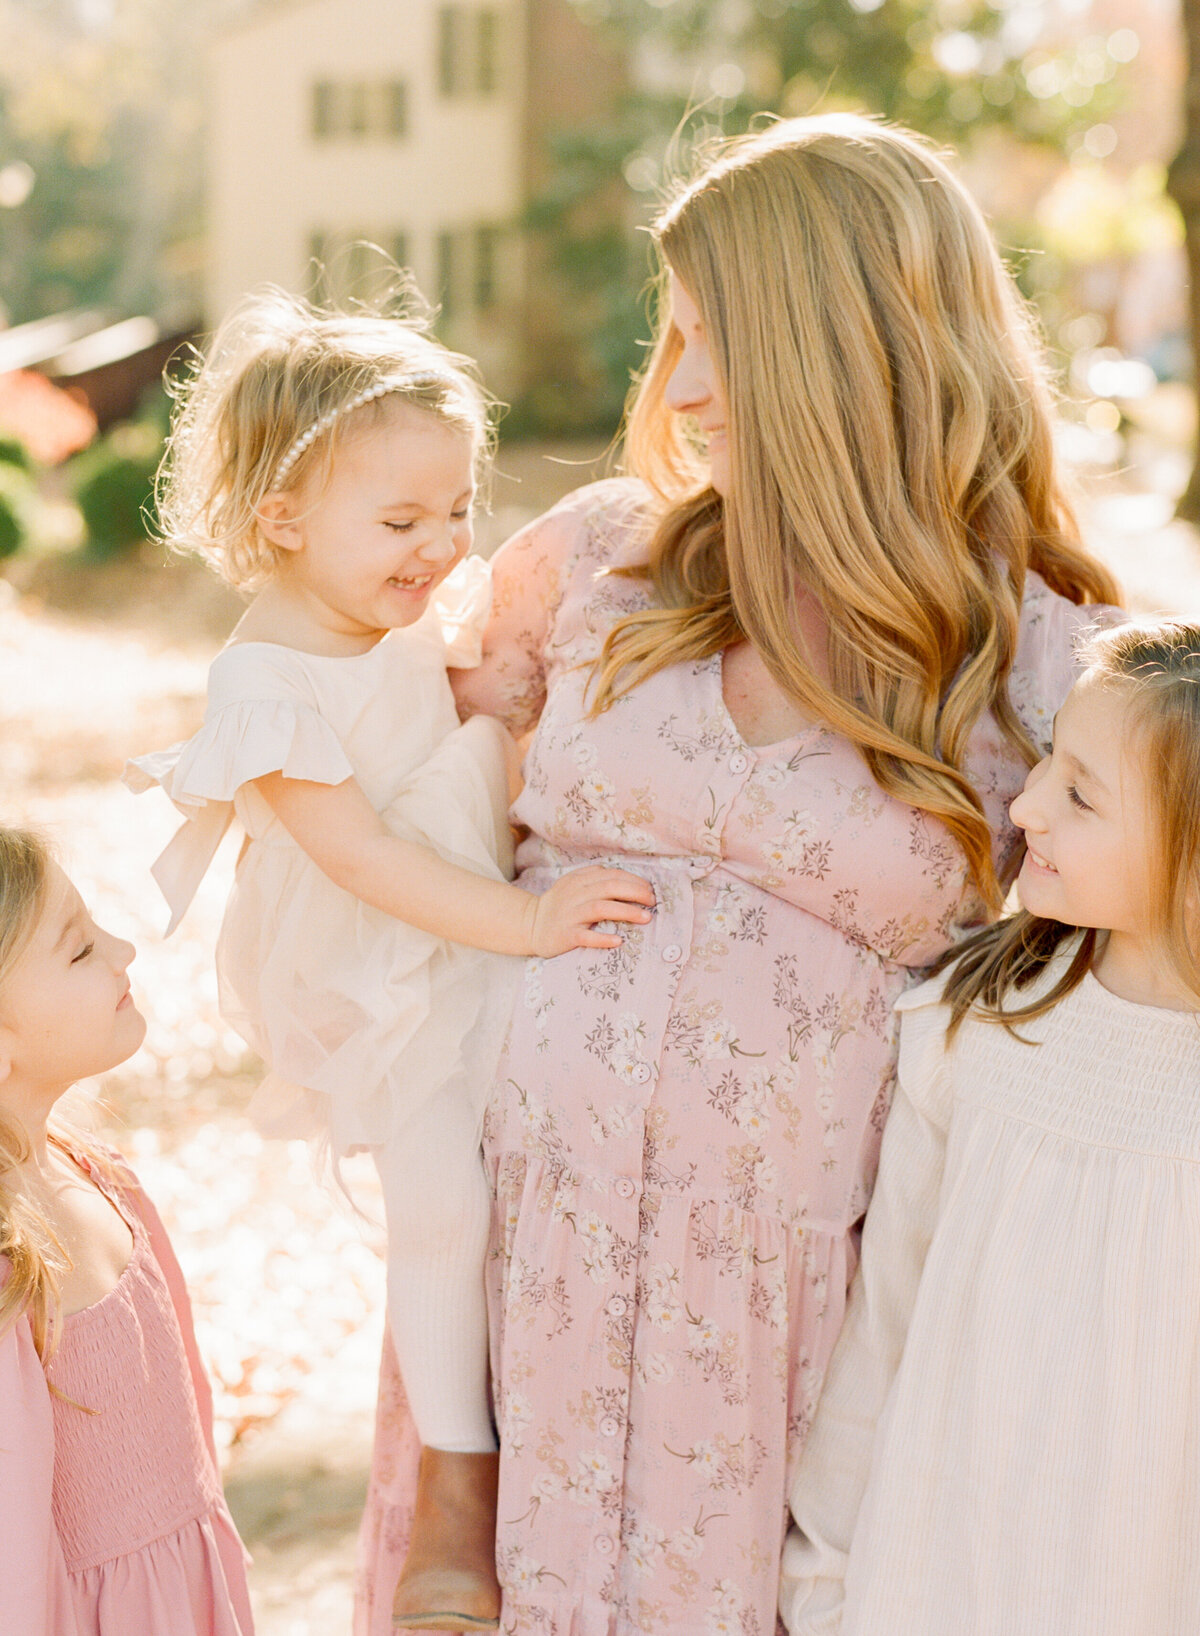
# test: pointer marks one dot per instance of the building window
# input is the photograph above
(395, 108)
(446, 268)
(349, 265)
(468, 50)
(487, 240)
(357, 100)
(320, 251)
(449, 46)
(487, 34)
(324, 116)
(359, 110)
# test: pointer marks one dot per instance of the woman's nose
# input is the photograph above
(686, 390)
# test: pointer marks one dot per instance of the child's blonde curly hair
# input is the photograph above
(281, 384)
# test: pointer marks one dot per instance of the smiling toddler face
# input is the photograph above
(372, 543)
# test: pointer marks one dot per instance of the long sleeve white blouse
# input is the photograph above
(1008, 1442)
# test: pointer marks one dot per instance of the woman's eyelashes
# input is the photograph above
(83, 953)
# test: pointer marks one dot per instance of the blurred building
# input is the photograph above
(416, 125)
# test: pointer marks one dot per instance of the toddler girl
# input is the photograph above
(111, 1511)
(329, 463)
(1008, 1443)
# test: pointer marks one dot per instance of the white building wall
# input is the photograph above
(273, 184)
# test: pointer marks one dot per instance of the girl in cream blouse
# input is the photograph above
(1008, 1443)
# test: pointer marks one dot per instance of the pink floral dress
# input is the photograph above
(684, 1131)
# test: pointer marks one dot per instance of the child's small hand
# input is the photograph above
(565, 917)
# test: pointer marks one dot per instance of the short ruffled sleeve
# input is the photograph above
(461, 605)
(258, 721)
(530, 574)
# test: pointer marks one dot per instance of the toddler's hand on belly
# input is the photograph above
(565, 917)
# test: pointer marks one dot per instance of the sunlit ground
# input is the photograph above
(286, 1278)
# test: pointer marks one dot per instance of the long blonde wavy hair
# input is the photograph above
(889, 425)
(36, 1258)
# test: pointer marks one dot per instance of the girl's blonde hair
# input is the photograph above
(36, 1259)
(1156, 669)
(278, 368)
(890, 443)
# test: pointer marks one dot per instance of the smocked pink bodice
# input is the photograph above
(110, 1498)
(138, 1469)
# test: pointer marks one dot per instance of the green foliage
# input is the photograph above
(953, 69)
(105, 111)
(14, 453)
(115, 489)
(950, 68)
(16, 496)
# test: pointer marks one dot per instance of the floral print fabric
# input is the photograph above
(684, 1130)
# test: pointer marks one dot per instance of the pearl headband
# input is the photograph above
(319, 427)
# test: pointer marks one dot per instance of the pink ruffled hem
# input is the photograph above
(189, 1583)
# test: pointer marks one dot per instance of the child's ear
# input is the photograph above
(6, 1054)
(279, 519)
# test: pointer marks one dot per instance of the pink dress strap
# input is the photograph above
(109, 1488)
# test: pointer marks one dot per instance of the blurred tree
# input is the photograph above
(1183, 183)
(101, 100)
(955, 69)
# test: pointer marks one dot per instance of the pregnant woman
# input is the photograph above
(791, 672)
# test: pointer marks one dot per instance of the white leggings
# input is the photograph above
(438, 1206)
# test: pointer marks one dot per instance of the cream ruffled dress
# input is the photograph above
(358, 1016)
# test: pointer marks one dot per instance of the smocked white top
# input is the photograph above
(1008, 1443)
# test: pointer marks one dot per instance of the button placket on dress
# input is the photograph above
(673, 925)
(667, 943)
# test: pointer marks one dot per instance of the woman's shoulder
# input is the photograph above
(606, 503)
(1051, 624)
(552, 563)
(1047, 659)
(607, 522)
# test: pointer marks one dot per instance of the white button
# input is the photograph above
(672, 952)
(642, 1073)
(610, 1425)
(625, 1189)
(616, 1306)
(738, 762)
(605, 1545)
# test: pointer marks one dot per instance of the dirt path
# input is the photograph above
(287, 1280)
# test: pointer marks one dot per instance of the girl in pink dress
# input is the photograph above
(111, 1510)
(792, 673)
